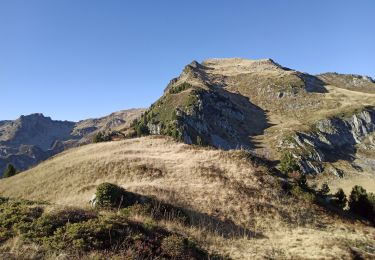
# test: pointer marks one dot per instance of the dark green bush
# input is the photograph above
(14, 213)
(78, 233)
(301, 193)
(49, 223)
(10, 171)
(339, 199)
(109, 195)
(288, 163)
(93, 234)
(102, 137)
(141, 129)
(179, 88)
(362, 203)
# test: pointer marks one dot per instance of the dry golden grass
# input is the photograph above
(238, 208)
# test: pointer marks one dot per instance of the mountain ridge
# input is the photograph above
(32, 138)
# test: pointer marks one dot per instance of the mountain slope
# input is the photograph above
(30, 139)
(350, 81)
(239, 207)
(261, 105)
(223, 102)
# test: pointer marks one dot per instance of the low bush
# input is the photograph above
(93, 234)
(102, 137)
(288, 163)
(14, 213)
(179, 88)
(110, 195)
(299, 192)
(78, 233)
(47, 224)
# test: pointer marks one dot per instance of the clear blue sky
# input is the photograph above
(75, 59)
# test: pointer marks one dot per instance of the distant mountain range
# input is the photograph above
(30, 139)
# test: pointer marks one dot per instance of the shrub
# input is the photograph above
(358, 200)
(109, 195)
(141, 129)
(14, 213)
(101, 137)
(179, 88)
(339, 199)
(10, 171)
(288, 163)
(362, 203)
(82, 236)
(49, 223)
(299, 192)
(173, 246)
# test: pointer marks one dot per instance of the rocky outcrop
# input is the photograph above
(331, 139)
(198, 109)
(30, 139)
(349, 81)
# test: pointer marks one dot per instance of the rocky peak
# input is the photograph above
(33, 118)
(32, 138)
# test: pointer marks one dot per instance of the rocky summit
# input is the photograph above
(322, 120)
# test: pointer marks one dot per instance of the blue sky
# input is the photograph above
(75, 59)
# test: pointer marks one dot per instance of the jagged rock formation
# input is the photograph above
(222, 102)
(30, 139)
(332, 139)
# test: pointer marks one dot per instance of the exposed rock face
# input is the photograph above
(30, 139)
(222, 102)
(332, 139)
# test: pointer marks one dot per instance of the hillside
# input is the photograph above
(237, 206)
(270, 109)
(30, 139)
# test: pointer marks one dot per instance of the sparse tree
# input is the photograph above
(10, 171)
(358, 201)
(340, 199)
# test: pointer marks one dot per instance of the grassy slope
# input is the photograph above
(239, 208)
(350, 82)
